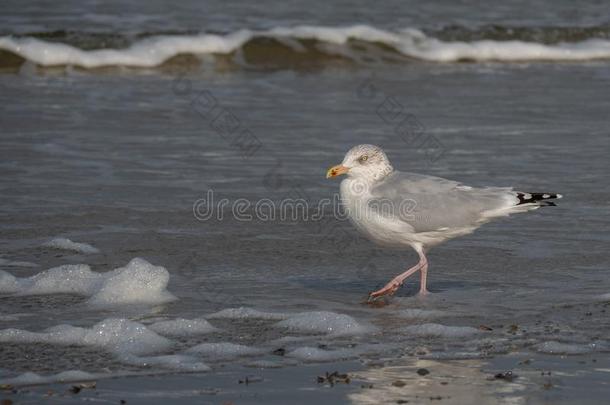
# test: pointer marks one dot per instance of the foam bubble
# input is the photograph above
(265, 364)
(224, 350)
(438, 330)
(68, 279)
(454, 355)
(8, 283)
(182, 327)
(247, 313)
(177, 362)
(324, 322)
(130, 342)
(554, 347)
(137, 283)
(67, 244)
(34, 379)
(315, 354)
(289, 340)
(119, 336)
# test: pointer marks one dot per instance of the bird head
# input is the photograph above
(366, 162)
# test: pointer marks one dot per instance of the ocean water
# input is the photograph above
(130, 132)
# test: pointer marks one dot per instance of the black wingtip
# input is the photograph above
(528, 198)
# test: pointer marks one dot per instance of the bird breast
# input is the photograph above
(382, 229)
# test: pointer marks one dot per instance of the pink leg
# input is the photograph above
(424, 276)
(391, 287)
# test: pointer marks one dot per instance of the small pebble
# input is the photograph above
(279, 352)
(423, 371)
(507, 376)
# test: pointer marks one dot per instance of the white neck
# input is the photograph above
(371, 174)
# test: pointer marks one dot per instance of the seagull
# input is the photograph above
(401, 209)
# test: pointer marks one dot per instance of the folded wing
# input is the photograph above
(429, 203)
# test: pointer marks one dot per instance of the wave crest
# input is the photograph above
(311, 45)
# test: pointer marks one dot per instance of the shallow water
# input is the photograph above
(118, 159)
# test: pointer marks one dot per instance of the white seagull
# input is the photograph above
(402, 209)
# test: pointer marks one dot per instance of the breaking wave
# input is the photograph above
(308, 45)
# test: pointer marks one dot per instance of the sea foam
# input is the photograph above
(178, 362)
(554, 347)
(182, 327)
(139, 282)
(247, 313)
(317, 322)
(307, 353)
(317, 354)
(330, 323)
(224, 350)
(67, 244)
(30, 378)
(130, 342)
(438, 330)
(119, 336)
(154, 51)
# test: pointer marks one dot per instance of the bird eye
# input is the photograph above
(363, 158)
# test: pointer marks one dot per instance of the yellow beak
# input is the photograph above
(336, 171)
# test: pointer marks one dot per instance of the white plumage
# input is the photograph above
(397, 209)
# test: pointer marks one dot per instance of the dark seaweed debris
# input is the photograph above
(506, 376)
(333, 378)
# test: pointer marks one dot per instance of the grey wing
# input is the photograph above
(430, 203)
